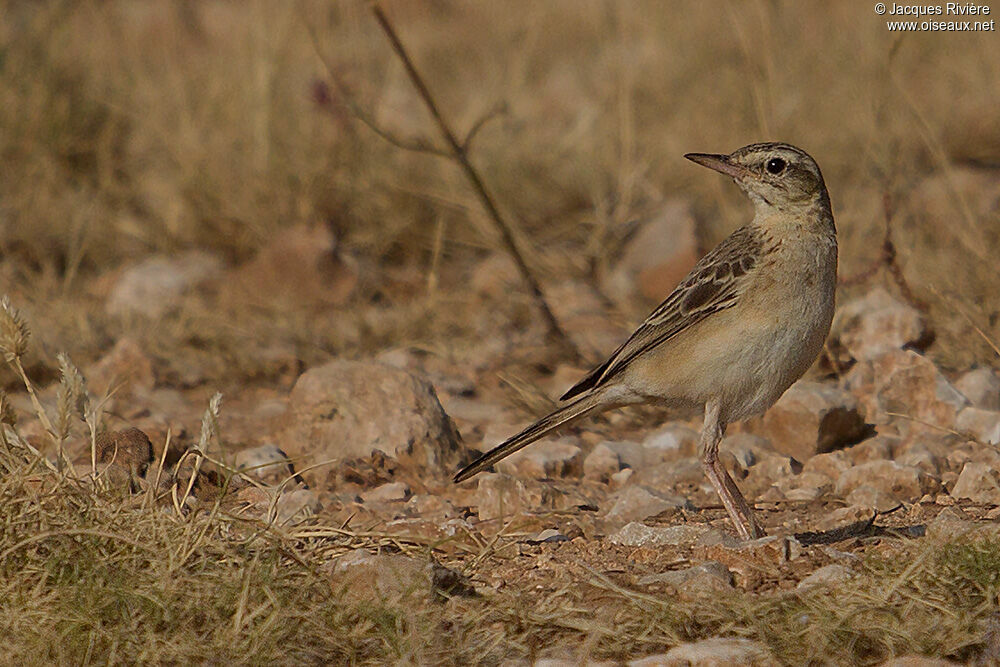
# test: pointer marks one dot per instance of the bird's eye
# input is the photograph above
(775, 165)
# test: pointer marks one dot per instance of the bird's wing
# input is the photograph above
(715, 283)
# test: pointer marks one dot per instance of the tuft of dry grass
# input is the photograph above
(88, 576)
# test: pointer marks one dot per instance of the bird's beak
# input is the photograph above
(720, 163)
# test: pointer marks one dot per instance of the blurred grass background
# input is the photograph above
(141, 127)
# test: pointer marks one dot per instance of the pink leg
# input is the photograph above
(734, 502)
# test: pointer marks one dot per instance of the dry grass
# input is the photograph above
(91, 577)
(134, 128)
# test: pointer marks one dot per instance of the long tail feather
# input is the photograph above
(539, 429)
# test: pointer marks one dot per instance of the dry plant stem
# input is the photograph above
(968, 318)
(416, 146)
(888, 258)
(93, 421)
(21, 442)
(64, 462)
(889, 251)
(159, 470)
(459, 152)
(198, 458)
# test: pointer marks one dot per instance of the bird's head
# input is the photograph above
(773, 175)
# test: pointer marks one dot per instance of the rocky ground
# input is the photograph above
(874, 451)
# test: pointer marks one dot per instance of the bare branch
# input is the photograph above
(347, 100)
(459, 154)
(499, 109)
(888, 259)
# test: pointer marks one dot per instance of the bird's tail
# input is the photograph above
(539, 429)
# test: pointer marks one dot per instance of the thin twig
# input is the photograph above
(968, 318)
(498, 110)
(888, 258)
(460, 155)
(922, 422)
(889, 251)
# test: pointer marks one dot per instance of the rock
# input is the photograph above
(677, 577)
(748, 449)
(754, 556)
(630, 454)
(157, 284)
(125, 369)
(635, 503)
(387, 493)
(128, 450)
(927, 451)
(872, 497)
(754, 560)
(983, 425)
(470, 411)
(812, 418)
(844, 519)
(300, 265)
(346, 409)
(767, 470)
(671, 442)
(621, 478)
(828, 575)
(549, 535)
(804, 486)
(296, 506)
(683, 476)
(983, 453)
(877, 323)
(257, 496)
(431, 505)
(500, 496)
(658, 255)
(706, 579)
(950, 523)
(982, 387)
(980, 483)
(367, 577)
(900, 483)
(545, 460)
(714, 652)
(635, 534)
(495, 432)
(879, 448)
(830, 464)
(267, 463)
(905, 382)
(601, 463)
(976, 452)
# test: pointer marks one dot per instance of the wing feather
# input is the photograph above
(715, 283)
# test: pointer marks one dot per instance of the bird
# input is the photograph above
(747, 321)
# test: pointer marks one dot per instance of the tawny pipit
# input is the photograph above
(744, 325)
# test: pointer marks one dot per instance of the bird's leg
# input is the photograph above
(736, 506)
